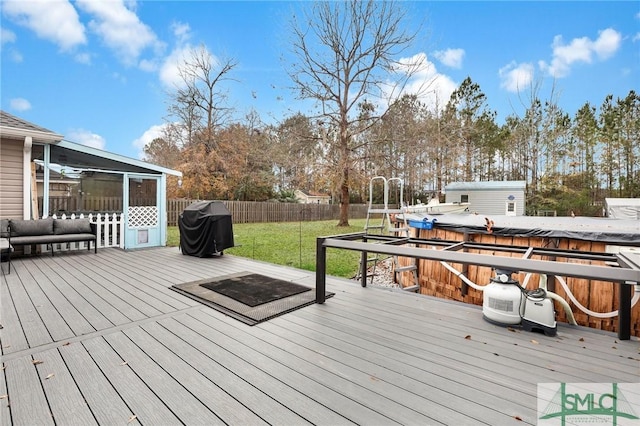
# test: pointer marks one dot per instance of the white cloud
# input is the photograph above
(148, 65)
(56, 21)
(170, 69)
(153, 132)
(433, 88)
(516, 77)
(581, 50)
(607, 44)
(120, 29)
(86, 137)
(20, 104)
(7, 36)
(181, 31)
(450, 57)
(83, 58)
(119, 77)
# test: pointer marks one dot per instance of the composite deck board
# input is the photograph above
(281, 369)
(436, 391)
(476, 377)
(94, 318)
(19, 283)
(464, 322)
(102, 286)
(146, 302)
(569, 341)
(156, 372)
(140, 353)
(141, 399)
(401, 387)
(476, 341)
(148, 286)
(150, 275)
(92, 293)
(59, 294)
(43, 295)
(5, 414)
(66, 403)
(106, 404)
(456, 352)
(361, 388)
(193, 368)
(12, 339)
(28, 404)
(199, 352)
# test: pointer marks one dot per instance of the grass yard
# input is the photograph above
(291, 244)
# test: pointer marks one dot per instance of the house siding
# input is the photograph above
(488, 200)
(11, 202)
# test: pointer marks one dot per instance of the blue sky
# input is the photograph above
(98, 71)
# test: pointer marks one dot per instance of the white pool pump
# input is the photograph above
(505, 302)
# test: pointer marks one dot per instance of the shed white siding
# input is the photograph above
(622, 208)
(489, 198)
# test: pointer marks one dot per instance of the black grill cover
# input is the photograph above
(205, 229)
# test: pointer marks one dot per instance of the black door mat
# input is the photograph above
(248, 297)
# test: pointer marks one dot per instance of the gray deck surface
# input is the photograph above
(101, 339)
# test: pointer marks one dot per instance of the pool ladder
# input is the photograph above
(388, 225)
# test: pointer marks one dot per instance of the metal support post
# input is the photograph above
(363, 266)
(624, 311)
(321, 270)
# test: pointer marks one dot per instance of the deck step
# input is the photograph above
(406, 268)
(411, 288)
(398, 230)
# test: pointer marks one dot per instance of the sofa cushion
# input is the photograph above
(31, 227)
(4, 227)
(71, 226)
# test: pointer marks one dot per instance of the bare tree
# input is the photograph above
(347, 52)
(199, 102)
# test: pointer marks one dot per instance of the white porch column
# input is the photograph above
(45, 187)
(26, 179)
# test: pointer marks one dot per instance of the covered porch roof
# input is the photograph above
(73, 154)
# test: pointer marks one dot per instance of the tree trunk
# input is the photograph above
(344, 196)
(344, 205)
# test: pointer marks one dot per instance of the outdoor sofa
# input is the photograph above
(16, 232)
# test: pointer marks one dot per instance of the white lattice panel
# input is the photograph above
(143, 217)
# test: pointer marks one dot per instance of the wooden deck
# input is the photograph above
(101, 339)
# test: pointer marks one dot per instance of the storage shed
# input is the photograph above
(622, 208)
(490, 197)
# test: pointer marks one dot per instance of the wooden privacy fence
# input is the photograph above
(241, 211)
(68, 205)
(260, 212)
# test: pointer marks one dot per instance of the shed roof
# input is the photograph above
(14, 127)
(487, 185)
(622, 201)
(112, 161)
